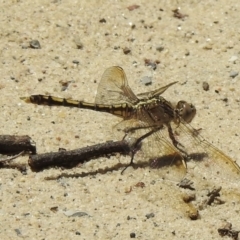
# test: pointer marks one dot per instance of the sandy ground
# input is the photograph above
(201, 46)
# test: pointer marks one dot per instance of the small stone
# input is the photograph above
(149, 215)
(178, 14)
(205, 86)
(186, 184)
(35, 44)
(193, 214)
(102, 20)
(233, 59)
(18, 232)
(126, 50)
(78, 42)
(146, 80)
(75, 213)
(188, 197)
(233, 74)
(132, 235)
(159, 48)
(75, 61)
(151, 63)
(208, 45)
(133, 7)
(187, 53)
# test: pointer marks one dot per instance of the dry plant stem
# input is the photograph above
(74, 157)
(11, 144)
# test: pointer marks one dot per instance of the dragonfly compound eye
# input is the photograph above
(186, 111)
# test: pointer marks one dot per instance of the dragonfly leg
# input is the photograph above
(174, 141)
(136, 145)
(178, 145)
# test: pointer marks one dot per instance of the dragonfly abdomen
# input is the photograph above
(121, 110)
(50, 101)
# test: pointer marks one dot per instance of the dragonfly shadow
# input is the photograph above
(155, 163)
(103, 171)
(176, 160)
(166, 161)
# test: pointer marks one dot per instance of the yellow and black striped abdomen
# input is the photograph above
(121, 110)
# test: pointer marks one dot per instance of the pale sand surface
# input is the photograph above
(195, 50)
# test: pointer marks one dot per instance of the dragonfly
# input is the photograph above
(153, 126)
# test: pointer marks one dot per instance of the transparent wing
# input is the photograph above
(113, 88)
(164, 156)
(211, 161)
(156, 93)
(155, 149)
(158, 148)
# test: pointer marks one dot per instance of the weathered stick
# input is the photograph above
(11, 144)
(74, 157)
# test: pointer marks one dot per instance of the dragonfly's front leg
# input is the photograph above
(178, 145)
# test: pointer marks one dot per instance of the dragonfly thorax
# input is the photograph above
(158, 110)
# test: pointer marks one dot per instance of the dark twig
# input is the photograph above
(11, 144)
(74, 157)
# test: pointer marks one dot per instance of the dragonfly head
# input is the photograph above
(185, 111)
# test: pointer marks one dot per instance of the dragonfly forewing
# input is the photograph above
(113, 88)
(156, 93)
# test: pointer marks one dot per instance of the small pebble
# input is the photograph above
(75, 61)
(78, 42)
(159, 48)
(126, 50)
(233, 59)
(193, 214)
(132, 235)
(205, 86)
(133, 7)
(102, 20)
(233, 74)
(149, 215)
(35, 44)
(73, 213)
(151, 63)
(188, 197)
(18, 232)
(146, 80)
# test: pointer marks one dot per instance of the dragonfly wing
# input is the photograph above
(156, 149)
(156, 93)
(164, 156)
(211, 161)
(113, 88)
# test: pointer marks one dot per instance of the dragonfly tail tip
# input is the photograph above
(25, 99)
